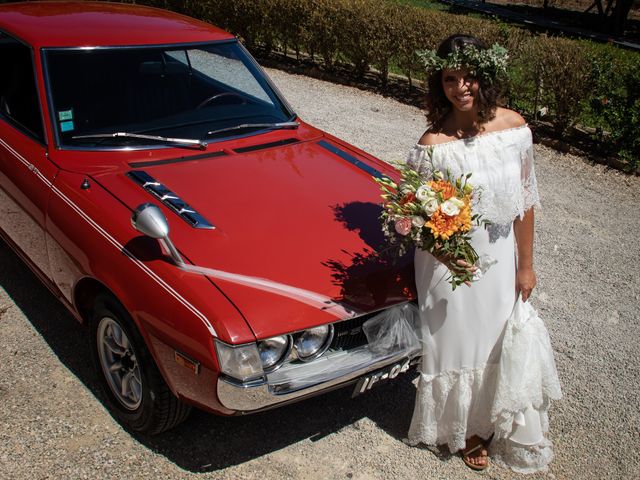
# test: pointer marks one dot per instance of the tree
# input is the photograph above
(619, 16)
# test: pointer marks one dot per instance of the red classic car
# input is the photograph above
(118, 121)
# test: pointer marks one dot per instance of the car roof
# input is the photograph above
(94, 24)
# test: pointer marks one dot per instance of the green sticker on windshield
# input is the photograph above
(65, 115)
(66, 126)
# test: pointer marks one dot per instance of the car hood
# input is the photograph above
(296, 235)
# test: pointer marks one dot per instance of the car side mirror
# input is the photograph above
(149, 220)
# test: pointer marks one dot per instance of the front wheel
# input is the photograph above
(136, 392)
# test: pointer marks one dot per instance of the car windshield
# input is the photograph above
(118, 97)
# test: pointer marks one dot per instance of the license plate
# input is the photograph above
(381, 376)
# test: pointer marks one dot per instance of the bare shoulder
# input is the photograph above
(432, 138)
(506, 118)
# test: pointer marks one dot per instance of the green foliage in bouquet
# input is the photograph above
(433, 214)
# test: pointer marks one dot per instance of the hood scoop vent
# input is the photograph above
(170, 199)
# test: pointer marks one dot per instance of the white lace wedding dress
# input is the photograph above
(488, 367)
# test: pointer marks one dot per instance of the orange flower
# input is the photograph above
(443, 226)
(464, 217)
(444, 187)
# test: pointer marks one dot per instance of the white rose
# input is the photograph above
(458, 203)
(424, 193)
(417, 221)
(452, 206)
(430, 206)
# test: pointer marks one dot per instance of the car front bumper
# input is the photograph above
(298, 380)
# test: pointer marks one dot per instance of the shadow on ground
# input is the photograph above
(206, 442)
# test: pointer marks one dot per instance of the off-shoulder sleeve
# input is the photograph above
(419, 159)
(530, 196)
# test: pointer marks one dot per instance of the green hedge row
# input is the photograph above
(569, 81)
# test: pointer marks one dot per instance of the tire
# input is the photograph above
(136, 393)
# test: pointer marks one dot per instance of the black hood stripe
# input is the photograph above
(350, 158)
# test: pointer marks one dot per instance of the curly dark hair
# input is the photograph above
(437, 104)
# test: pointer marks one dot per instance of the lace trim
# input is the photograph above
(500, 204)
(527, 374)
(503, 207)
(455, 405)
(419, 160)
(520, 458)
(476, 137)
(439, 419)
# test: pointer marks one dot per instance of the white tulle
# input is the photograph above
(395, 329)
(508, 188)
(487, 366)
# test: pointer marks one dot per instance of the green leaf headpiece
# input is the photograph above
(490, 63)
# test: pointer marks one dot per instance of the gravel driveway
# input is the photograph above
(53, 423)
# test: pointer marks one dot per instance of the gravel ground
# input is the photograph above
(54, 425)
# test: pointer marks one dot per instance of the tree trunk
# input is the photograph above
(619, 16)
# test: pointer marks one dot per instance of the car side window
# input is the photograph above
(18, 94)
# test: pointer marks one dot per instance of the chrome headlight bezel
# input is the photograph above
(282, 357)
(322, 347)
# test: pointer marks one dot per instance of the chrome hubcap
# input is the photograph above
(119, 363)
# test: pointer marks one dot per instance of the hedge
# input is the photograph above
(570, 81)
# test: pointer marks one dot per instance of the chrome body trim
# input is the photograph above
(295, 381)
(109, 238)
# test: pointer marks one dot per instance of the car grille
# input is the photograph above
(349, 334)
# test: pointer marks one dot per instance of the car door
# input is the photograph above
(25, 171)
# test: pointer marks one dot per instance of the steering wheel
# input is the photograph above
(215, 97)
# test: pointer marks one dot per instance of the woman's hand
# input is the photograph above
(458, 266)
(525, 282)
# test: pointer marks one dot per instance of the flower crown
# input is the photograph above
(489, 63)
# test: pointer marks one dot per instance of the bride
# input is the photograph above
(487, 372)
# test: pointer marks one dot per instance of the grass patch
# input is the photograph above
(426, 4)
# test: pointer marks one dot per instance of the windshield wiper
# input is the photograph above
(256, 125)
(156, 138)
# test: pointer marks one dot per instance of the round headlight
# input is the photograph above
(312, 343)
(273, 351)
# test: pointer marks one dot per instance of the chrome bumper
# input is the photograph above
(294, 381)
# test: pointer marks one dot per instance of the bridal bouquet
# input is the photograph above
(432, 214)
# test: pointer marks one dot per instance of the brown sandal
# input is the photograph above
(466, 456)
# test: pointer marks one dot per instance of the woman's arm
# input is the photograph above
(525, 276)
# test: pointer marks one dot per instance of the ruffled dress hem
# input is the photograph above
(454, 405)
